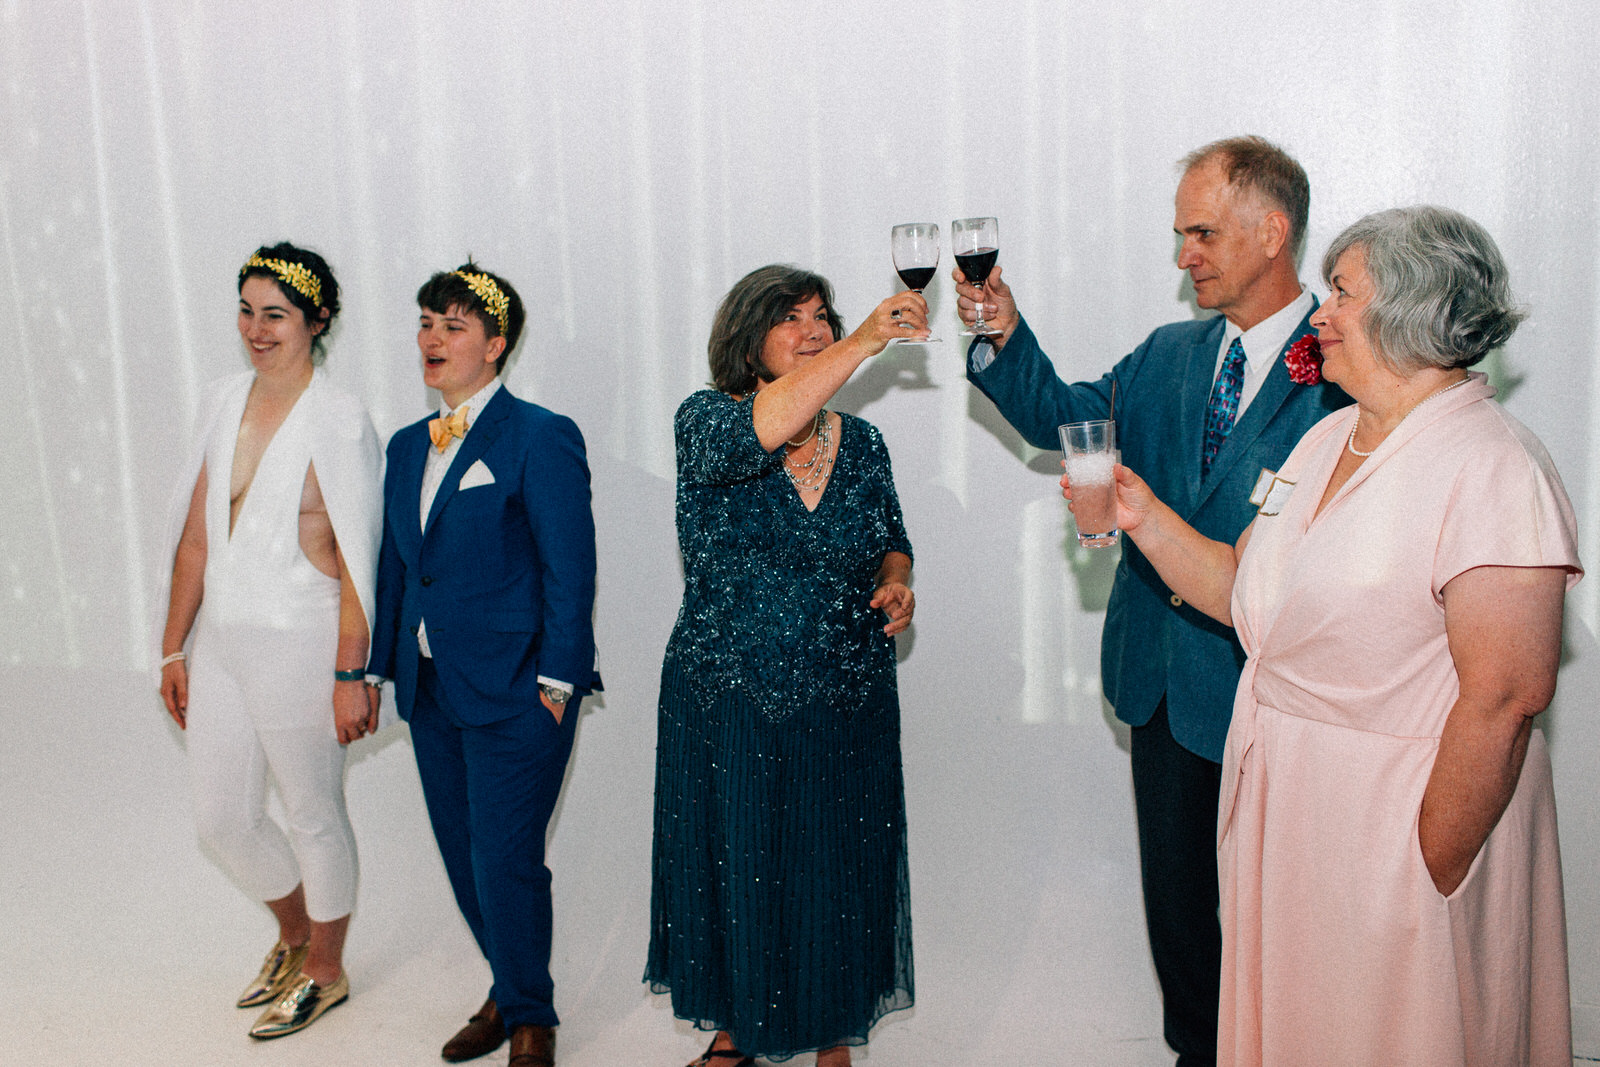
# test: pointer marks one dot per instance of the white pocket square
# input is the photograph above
(477, 474)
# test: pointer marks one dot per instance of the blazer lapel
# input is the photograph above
(412, 458)
(1195, 385)
(482, 433)
(1274, 391)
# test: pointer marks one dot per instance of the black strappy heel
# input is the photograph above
(723, 1057)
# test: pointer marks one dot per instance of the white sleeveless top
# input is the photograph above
(259, 576)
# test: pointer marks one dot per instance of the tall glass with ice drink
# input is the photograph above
(1091, 452)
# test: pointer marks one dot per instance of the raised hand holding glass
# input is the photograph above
(915, 246)
(976, 244)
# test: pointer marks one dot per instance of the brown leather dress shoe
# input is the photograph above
(533, 1046)
(485, 1033)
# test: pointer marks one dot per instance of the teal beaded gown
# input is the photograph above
(780, 903)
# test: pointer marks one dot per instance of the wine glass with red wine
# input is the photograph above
(916, 257)
(976, 243)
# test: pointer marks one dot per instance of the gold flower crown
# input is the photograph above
(495, 301)
(296, 275)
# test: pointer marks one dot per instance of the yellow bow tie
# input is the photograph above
(441, 430)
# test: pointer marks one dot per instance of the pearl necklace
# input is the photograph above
(1350, 442)
(815, 423)
(814, 471)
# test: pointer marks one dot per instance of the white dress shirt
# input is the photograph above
(1262, 343)
(438, 463)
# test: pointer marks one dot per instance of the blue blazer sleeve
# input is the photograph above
(556, 492)
(1024, 385)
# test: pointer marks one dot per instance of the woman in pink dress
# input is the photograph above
(1391, 882)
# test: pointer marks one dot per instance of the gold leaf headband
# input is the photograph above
(495, 301)
(296, 275)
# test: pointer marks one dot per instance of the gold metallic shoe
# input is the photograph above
(302, 1003)
(277, 970)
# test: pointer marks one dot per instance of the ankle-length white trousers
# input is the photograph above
(260, 702)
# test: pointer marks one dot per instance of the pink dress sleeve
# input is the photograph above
(1508, 508)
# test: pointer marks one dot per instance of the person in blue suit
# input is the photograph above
(484, 622)
(1202, 407)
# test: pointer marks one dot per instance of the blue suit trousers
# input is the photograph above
(491, 790)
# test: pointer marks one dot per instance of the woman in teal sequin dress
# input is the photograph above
(780, 908)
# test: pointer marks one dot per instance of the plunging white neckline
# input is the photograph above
(233, 452)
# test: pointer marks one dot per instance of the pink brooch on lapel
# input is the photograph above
(1304, 360)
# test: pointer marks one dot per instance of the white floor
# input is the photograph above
(123, 943)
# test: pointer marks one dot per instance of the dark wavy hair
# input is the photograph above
(325, 312)
(1441, 294)
(756, 303)
(448, 289)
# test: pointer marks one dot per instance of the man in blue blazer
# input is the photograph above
(484, 622)
(1170, 671)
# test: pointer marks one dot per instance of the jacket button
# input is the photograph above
(413, 631)
(1177, 601)
(427, 580)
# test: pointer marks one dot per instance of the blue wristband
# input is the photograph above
(356, 674)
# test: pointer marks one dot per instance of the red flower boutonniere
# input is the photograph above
(1304, 360)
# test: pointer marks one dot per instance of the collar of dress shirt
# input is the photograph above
(474, 403)
(1264, 340)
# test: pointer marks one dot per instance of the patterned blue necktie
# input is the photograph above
(1223, 407)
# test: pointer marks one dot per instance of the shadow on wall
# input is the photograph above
(898, 367)
(1093, 569)
(1573, 733)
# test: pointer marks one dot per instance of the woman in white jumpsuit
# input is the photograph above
(274, 549)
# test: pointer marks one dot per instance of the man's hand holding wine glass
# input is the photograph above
(999, 308)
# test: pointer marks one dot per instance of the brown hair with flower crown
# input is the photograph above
(305, 280)
(295, 274)
(494, 301)
(470, 288)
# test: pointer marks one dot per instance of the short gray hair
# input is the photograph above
(1256, 164)
(1441, 294)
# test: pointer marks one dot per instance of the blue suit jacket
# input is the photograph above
(504, 573)
(1153, 644)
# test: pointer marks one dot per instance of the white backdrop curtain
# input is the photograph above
(622, 163)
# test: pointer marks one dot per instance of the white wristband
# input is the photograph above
(174, 658)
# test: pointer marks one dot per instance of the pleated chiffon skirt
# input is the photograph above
(780, 901)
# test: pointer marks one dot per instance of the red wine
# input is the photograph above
(977, 265)
(917, 277)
